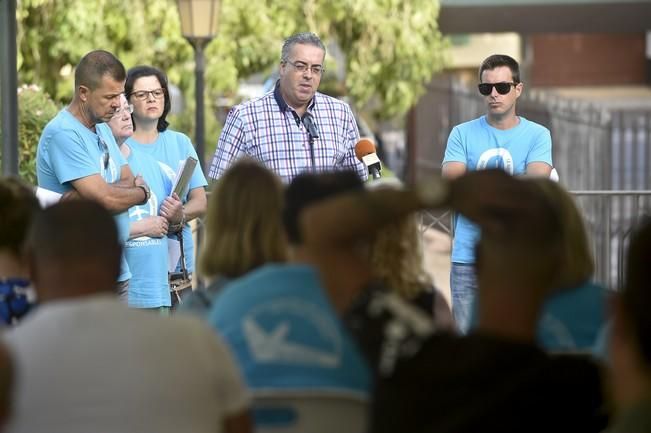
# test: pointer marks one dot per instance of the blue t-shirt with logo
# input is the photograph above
(147, 256)
(575, 320)
(68, 150)
(480, 146)
(173, 148)
(285, 334)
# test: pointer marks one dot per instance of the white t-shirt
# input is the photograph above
(94, 365)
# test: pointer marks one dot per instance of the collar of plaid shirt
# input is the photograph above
(284, 107)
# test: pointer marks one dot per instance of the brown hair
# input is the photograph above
(576, 263)
(243, 222)
(396, 253)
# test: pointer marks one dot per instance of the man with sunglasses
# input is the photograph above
(498, 139)
(77, 155)
(292, 129)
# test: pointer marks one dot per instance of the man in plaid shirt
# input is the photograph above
(275, 128)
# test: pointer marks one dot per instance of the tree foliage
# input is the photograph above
(390, 48)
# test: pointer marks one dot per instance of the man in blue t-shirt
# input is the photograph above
(77, 154)
(499, 139)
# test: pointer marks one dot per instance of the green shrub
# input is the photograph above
(35, 109)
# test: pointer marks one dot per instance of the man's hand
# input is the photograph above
(172, 209)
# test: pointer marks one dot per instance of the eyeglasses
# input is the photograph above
(120, 110)
(502, 88)
(302, 67)
(104, 148)
(141, 95)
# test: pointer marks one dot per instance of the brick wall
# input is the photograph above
(588, 59)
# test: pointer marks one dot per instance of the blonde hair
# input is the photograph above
(396, 257)
(576, 263)
(243, 222)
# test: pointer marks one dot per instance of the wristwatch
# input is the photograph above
(147, 191)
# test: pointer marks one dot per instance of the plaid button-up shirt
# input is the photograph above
(268, 130)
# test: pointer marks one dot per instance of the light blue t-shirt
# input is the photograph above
(285, 334)
(68, 151)
(172, 148)
(480, 146)
(573, 320)
(147, 256)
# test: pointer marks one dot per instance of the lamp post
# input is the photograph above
(8, 86)
(198, 26)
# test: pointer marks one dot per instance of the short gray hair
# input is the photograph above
(305, 38)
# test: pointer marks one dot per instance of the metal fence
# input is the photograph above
(603, 156)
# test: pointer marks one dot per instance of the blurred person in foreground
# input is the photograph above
(574, 317)
(396, 257)
(630, 339)
(496, 379)
(281, 321)
(87, 362)
(243, 230)
(146, 250)
(18, 206)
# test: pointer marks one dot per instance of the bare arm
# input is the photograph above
(539, 169)
(452, 170)
(114, 198)
(153, 226)
(196, 205)
(238, 423)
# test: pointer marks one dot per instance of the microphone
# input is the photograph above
(308, 121)
(365, 152)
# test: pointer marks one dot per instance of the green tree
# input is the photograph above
(391, 47)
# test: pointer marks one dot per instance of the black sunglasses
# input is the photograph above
(103, 147)
(502, 88)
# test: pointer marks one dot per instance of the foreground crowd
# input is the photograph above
(303, 298)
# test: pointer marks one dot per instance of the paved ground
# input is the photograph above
(436, 246)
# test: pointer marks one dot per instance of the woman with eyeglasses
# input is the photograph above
(146, 248)
(147, 90)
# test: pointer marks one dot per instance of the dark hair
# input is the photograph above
(148, 71)
(18, 206)
(308, 188)
(94, 65)
(636, 296)
(75, 232)
(497, 60)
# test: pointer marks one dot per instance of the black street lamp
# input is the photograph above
(199, 26)
(8, 88)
